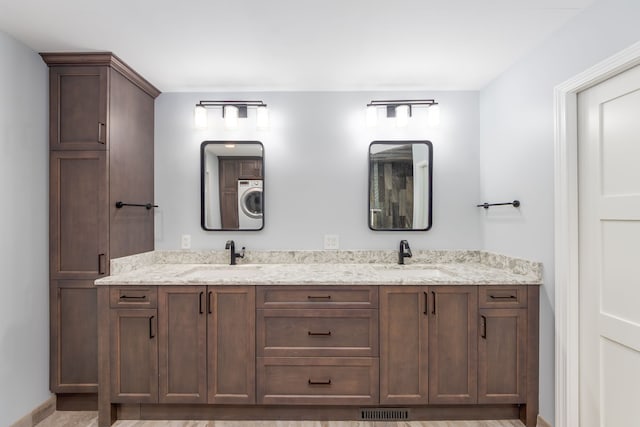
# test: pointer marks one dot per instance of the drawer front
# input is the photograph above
(317, 381)
(502, 296)
(318, 332)
(316, 297)
(133, 297)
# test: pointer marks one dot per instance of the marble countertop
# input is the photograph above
(318, 268)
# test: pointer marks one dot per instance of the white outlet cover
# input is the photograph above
(331, 241)
(186, 241)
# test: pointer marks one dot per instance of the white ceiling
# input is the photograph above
(238, 45)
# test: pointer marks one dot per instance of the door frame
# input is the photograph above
(567, 285)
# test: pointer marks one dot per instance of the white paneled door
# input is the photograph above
(609, 224)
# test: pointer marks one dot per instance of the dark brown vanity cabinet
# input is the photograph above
(453, 344)
(101, 142)
(460, 345)
(428, 339)
(133, 344)
(502, 348)
(317, 345)
(134, 355)
(73, 307)
(206, 344)
(78, 113)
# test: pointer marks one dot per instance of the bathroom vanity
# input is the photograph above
(319, 336)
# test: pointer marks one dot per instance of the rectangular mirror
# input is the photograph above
(232, 177)
(400, 185)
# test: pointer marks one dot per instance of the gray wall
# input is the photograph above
(516, 139)
(24, 254)
(316, 157)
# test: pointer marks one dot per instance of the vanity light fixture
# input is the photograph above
(372, 116)
(231, 112)
(200, 117)
(262, 117)
(401, 110)
(402, 115)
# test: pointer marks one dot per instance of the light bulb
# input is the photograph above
(433, 115)
(231, 116)
(262, 117)
(200, 117)
(402, 115)
(372, 116)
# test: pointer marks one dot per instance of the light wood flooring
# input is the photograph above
(90, 419)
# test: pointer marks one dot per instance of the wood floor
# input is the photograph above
(90, 419)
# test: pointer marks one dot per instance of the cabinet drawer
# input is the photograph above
(502, 296)
(133, 297)
(317, 381)
(317, 332)
(316, 297)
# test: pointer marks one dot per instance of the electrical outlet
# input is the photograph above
(186, 241)
(331, 241)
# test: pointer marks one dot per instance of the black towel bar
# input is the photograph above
(148, 206)
(515, 204)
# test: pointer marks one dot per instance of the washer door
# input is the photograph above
(251, 203)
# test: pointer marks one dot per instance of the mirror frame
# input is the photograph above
(430, 205)
(202, 183)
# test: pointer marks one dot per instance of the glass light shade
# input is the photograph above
(200, 117)
(262, 117)
(433, 115)
(372, 116)
(402, 115)
(231, 116)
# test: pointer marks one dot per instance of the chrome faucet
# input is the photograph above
(405, 251)
(233, 255)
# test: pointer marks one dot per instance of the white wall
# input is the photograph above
(24, 252)
(316, 166)
(516, 156)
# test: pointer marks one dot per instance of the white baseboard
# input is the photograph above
(543, 423)
(43, 410)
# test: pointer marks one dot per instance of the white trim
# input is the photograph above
(542, 422)
(566, 228)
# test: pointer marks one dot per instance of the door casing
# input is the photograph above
(566, 228)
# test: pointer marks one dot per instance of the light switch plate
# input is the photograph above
(186, 241)
(331, 241)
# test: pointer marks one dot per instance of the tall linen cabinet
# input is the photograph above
(101, 152)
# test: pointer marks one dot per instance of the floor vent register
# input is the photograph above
(384, 414)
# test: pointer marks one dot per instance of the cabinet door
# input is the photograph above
(229, 193)
(74, 337)
(130, 167)
(182, 335)
(134, 356)
(453, 344)
(403, 345)
(231, 344)
(250, 168)
(502, 356)
(79, 225)
(78, 108)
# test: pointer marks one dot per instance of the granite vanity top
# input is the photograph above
(322, 268)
